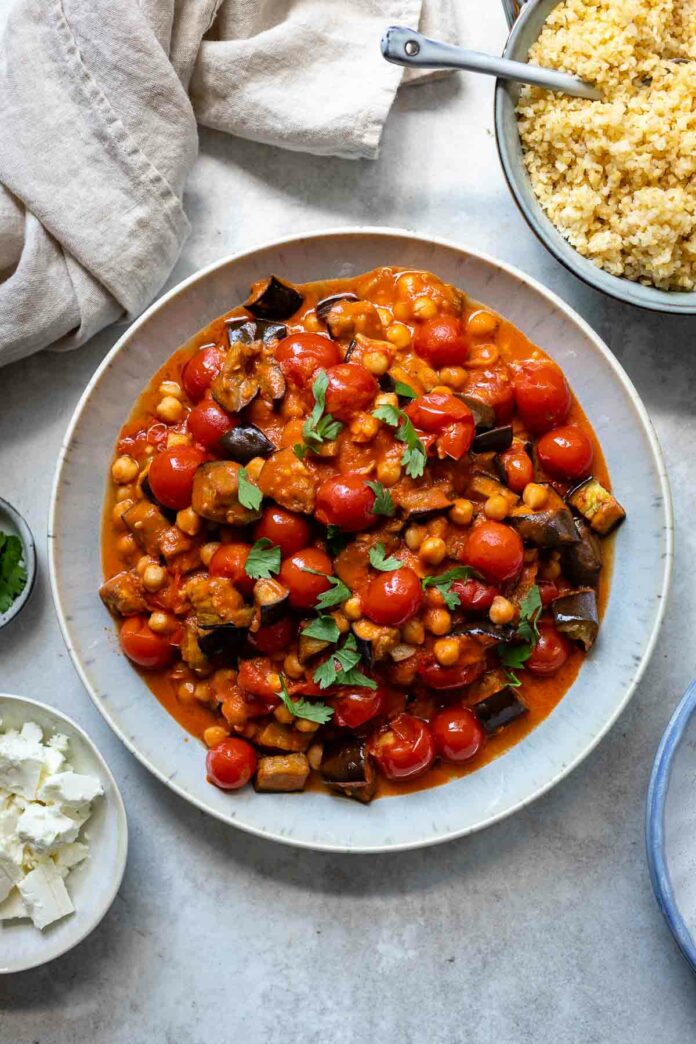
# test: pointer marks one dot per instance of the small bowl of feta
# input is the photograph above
(63, 834)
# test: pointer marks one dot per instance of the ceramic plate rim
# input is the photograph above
(520, 277)
(121, 827)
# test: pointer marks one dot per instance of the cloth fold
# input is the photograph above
(99, 103)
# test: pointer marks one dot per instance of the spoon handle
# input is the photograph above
(404, 46)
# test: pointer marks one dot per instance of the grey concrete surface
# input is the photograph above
(541, 930)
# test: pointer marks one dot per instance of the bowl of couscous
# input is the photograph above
(609, 186)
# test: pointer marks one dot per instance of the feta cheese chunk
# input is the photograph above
(11, 869)
(21, 762)
(44, 895)
(45, 828)
(12, 909)
(70, 788)
(72, 854)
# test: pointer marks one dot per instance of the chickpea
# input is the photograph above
(255, 467)
(185, 692)
(502, 611)
(120, 510)
(461, 512)
(248, 730)
(388, 471)
(341, 621)
(424, 308)
(437, 621)
(440, 389)
(143, 562)
(387, 399)
(124, 469)
(384, 315)
(496, 507)
(169, 409)
(207, 552)
(172, 388)
(313, 323)
(201, 692)
(178, 438)
(376, 362)
(364, 427)
(283, 715)
(303, 725)
(433, 550)
(402, 311)
(446, 651)
(126, 545)
(414, 537)
(314, 755)
(124, 493)
(188, 521)
(154, 577)
(550, 570)
(292, 666)
(437, 527)
(453, 376)
(413, 632)
(352, 608)
(273, 680)
(214, 734)
(482, 356)
(482, 323)
(409, 283)
(534, 496)
(162, 623)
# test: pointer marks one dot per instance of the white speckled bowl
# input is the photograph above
(92, 885)
(641, 570)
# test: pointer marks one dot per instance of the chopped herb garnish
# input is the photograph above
(530, 610)
(311, 710)
(249, 495)
(263, 560)
(405, 391)
(414, 457)
(337, 593)
(391, 415)
(514, 655)
(380, 561)
(324, 629)
(13, 575)
(383, 505)
(336, 540)
(341, 668)
(512, 679)
(319, 427)
(443, 583)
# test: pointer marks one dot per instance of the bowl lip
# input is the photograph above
(521, 277)
(121, 827)
(541, 226)
(655, 823)
(29, 555)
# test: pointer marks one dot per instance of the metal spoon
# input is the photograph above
(404, 46)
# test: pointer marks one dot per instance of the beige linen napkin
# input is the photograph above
(99, 101)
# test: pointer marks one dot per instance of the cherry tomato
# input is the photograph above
(495, 388)
(171, 475)
(551, 651)
(442, 341)
(345, 501)
(208, 422)
(519, 470)
(406, 749)
(253, 679)
(305, 588)
(353, 707)
(494, 550)
(565, 453)
(391, 599)
(444, 679)
(474, 595)
(229, 560)
(455, 440)
(350, 388)
(437, 411)
(458, 734)
(144, 647)
(285, 529)
(274, 637)
(231, 764)
(548, 590)
(541, 393)
(201, 370)
(301, 355)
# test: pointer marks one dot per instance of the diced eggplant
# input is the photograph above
(244, 443)
(124, 594)
(271, 380)
(273, 299)
(347, 767)
(324, 306)
(147, 524)
(272, 599)
(483, 485)
(582, 562)
(282, 737)
(482, 629)
(367, 650)
(281, 773)
(499, 710)
(215, 494)
(484, 415)
(289, 481)
(349, 351)
(496, 439)
(554, 527)
(146, 488)
(308, 647)
(223, 641)
(419, 503)
(575, 614)
(381, 640)
(246, 330)
(595, 503)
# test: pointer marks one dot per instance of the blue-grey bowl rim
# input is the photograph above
(29, 547)
(655, 824)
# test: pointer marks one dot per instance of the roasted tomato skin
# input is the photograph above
(566, 453)
(495, 388)
(353, 707)
(551, 651)
(442, 341)
(255, 680)
(475, 596)
(301, 355)
(406, 749)
(494, 550)
(437, 410)
(231, 764)
(390, 599)
(350, 388)
(518, 467)
(345, 501)
(171, 475)
(229, 560)
(208, 422)
(542, 394)
(305, 588)
(201, 370)
(458, 734)
(274, 637)
(145, 648)
(447, 679)
(286, 529)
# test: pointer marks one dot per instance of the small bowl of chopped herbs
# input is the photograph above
(17, 562)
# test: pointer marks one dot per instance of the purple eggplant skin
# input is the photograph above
(246, 330)
(552, 528)
(225, 641)
(245, 442)
(496, 439)
(168, 513)
(366, 650)
(484, 415)
(273, 600)
(349, 351)
(274, 300)
(323, 307)
(499, 710)
(575, 615)
(582, 562)
(348, 768)
(498, 633)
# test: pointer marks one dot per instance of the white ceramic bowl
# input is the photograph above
(92, 885)
(641, 571)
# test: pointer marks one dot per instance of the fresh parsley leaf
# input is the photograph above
(300, 450)
(512, 679)
(356, 677)
(414, 457)
(380, 561)
(319, 427)
(336, 540)
(325, 674)
(324, 629)
(530, 610)
(263, 560)
(311, 710)
(337, 593)
(341, 668)
(383, 505)
(443, 583)
(514, 655)
(249, 495)
(391, 415)
(405, 391)
(13, 575)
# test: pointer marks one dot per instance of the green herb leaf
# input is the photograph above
(514, 655)
(383, 505)
(443, 582)
(319, 427)
(341, 668)
(379, 561)
(311, 710)
(414, 456)
(391, 415)
(356, 677)
(249, 495)
(13, 575)
(337, 593)
(300, 450)
(263, 560)
(512, 679)
(324, 629)
(336, 540)
(405, 391)
(530, 610)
